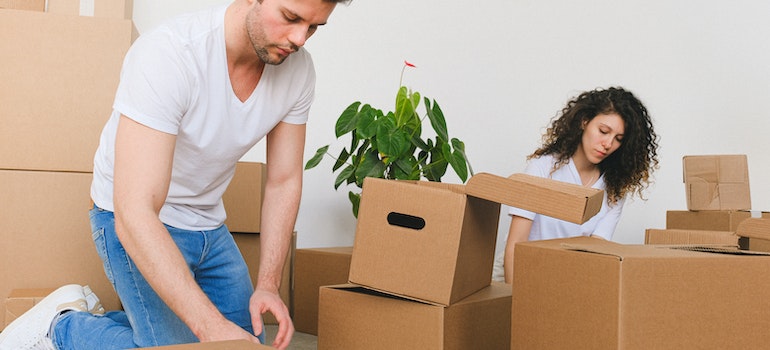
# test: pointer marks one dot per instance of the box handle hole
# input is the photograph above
(405, 220)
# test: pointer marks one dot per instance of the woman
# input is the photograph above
(603, 139)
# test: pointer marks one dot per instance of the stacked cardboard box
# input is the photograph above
(314, 268)
(420, 272)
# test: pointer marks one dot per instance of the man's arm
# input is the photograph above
(143, 163)
(283, 189)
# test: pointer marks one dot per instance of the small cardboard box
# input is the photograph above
(117, 9)
(21, 300)
(217, 345)
(54, 106)
(586, 293)
(249, 244)
(709, 220)
(243, 197)
(314, 268)
(717, 182)
(674, 236)
(435, 242)
(754, 234)
(353, 317)
(30, 5)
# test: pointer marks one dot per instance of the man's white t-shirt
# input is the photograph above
(175, 79)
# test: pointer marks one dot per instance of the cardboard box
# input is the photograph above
(710, 220)
(314, 268)
(30, 5)
(435, 242)
(243, 197)
(586, 293)
(46, 234)
(250, 249)
(717, 182)
(673, 236)
(754, 234)
(353, 317)
(218, 345)
(117, 9)
(21, 300)
(52, 118)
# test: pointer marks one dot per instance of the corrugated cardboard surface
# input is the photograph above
(674, 236)
(219, 345)
(243, 197)
(313, 268)
(21, 300)
(117, 9)
(717, 182)
(583, 293)
(59, 77)
(351, 317)
(447, 260)
(250, 249)
(755, 234)
(30, 5)
(46, 234)
(709, 220)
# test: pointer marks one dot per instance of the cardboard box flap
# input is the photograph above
(624, 251)
(754, 228)
(564, 201)
(708, 168)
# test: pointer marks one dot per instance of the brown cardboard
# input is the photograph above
(709, 220)
(451, 256)
(250, 249)
(217, 345)
(29, 5)
(717, 182)
(585, 293)
(243, 197)
(674, 236)
(754, 234)
(59, 77)
(117, 9)
(46, 234)
(21, 300)
(314, 268)
(353, 317)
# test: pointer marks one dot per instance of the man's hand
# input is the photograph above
(264, 301)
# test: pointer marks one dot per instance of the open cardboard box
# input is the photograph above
(435, 242)
(587, 293)
(754, 234)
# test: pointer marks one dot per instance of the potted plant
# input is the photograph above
(392, 145)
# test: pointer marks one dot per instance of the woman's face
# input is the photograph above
(602, 135)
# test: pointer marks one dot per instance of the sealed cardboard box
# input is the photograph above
(709, 220)
(754, 234)
(243, 197)
(435, 242)
(353, 317)
(586, 293)
(52, 118)
(30, 5)
(314, 268)
(117, 9)
(21, 300)
(217, 345)
(717, 182)
(46, 234)
(674, 236)
(250, 249)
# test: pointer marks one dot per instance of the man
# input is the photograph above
(195, 95)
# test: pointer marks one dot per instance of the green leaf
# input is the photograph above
(370, 166)
(316, 159)
(347, 120)
(355, 200)
(405, 169)
(405, 108)
(459, 148)
(341, 159)
(366, 124)
(436, 117)
(343, 176)
(392, 142)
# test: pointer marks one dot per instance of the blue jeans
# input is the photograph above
(212, 257)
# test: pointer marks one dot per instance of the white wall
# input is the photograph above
(501, 69)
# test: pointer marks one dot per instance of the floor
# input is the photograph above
(300, 341)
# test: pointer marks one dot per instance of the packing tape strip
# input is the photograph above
(87, 8)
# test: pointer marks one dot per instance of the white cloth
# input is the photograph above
(603, 224)
(175, 79)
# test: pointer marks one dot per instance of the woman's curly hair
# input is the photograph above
(628, 169)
